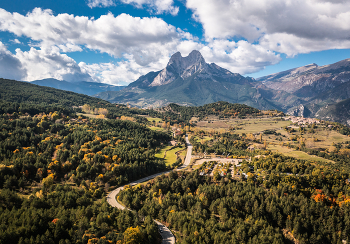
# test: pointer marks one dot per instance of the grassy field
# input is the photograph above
(325, 138)
(297, 154)
(204, 139)
(156, 128)
(160, 154)
(170, 156)
(258, 125)
(319, 138)
(157, 120)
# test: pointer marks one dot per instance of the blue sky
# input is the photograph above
(116, 41)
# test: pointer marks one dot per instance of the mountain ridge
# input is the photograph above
(193, 82)
(189, 81)
(82, 87)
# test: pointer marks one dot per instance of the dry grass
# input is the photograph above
(296, 154)
(258, 125)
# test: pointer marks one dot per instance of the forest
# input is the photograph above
(273, 205)
(61, 153)
(183, 114)
(56, 168)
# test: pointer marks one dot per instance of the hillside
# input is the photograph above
(24, 97)
(24, 92)
(319, 89)
(83, 87)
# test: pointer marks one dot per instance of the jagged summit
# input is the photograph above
(179, 66)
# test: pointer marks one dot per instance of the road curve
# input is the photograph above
(167, 235)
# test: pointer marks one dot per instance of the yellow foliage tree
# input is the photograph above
(133, 236)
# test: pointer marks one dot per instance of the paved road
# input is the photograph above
(167, 235)
(188, 155)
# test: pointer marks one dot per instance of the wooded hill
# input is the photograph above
(56, 167)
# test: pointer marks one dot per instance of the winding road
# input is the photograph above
(167, 235)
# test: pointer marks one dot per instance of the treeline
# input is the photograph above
(221, 109)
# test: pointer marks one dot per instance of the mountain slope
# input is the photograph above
(191, 81)
(311, 80)
(24, 92)
(83, 87)
(322, 91)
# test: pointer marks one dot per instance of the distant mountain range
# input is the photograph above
(191, 81)
(324, 90)
(83, 87)
(309, 91)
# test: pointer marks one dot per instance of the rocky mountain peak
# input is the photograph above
(179, 66)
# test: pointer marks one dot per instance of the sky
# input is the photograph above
(117, 41)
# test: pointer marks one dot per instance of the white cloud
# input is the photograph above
(16, 41)
(238, 57)
(309, 21)
(155, 6)
(126, 71)
(292, 45)
(10, 66)
(241, 57)
(108, 34)
(144, 44)
(69, 47)
(100, 3)
(50, 63)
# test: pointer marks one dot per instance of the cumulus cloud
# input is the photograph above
(238, 57)
(143, 44)
(317, 21)
(10, 66)
(100, 3)
(156, 6)
(108, 34)
(16, 41)
(50, 63)
(126, 71)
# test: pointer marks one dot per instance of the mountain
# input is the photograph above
(310, 81)
(193, 82)
(83, 87)
(303, 91)
(322, 90)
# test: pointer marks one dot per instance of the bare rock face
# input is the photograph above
(310, 80)
(179, 66)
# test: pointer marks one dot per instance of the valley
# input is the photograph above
(174, 122)
(220, 171)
